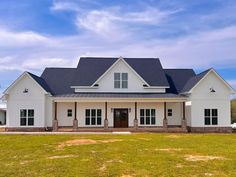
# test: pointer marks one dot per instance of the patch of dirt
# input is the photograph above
(78, 142)
(169, 149)
(146, 139)
(173, 136)
(179, 165)
(25, 162)
(195, 158)
(103, 168)
(114, 161)
(63, 156)
(208, 174)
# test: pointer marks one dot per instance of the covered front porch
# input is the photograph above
(119, 114)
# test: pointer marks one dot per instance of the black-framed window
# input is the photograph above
(211, 116)
(26, 117)
(69, 113)
(147, 116)
(170, 112)
(120, 80)
(93, 117)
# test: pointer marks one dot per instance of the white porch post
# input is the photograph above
(165, 121)
(135, 118)
(184, 123)
(55, 121)
(75, 121)
(105, 120)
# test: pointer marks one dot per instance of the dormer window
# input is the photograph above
(120, 80)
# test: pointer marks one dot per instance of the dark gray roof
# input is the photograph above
(150, 69)
(41, 82)
(193, 81)
(121, 95)
(90, 69)
(177, 78)
(59, 80)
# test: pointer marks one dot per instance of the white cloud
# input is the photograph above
(10, 38)
(64, 6)
(40, 63)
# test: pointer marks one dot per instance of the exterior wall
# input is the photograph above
(135, 84)
(81, 107)
(110, 114)
(49, 111)
(177, 116)
(63, 119)
(34, 99)
(159, 112)
(2, 117)
(202, 98)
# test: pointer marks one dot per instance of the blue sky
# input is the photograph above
(198, 34)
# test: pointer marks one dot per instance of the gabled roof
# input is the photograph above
(40, 81)
(59, 80)
(193, 81)
(90, 69)
(177, 79)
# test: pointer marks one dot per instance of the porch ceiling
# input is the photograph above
(121, 96)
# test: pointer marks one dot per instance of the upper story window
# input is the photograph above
(120, 80)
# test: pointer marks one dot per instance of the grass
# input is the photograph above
(118, 155)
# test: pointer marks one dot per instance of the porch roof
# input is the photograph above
(121, 95)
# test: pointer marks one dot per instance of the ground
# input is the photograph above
(118, 155)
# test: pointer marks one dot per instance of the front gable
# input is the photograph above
(211, 86)
(105, 83)
(25, 86)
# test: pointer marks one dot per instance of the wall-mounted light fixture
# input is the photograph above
(25, 90)
(212, 90)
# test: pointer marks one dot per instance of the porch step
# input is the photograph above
(121, 133)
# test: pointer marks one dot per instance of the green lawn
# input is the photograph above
(118, 155)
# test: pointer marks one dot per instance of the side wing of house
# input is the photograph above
(27, 103)
(209, 104)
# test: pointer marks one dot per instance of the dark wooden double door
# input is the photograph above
(121, 118)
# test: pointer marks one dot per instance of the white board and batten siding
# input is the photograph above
(17, 100)
(201, 98)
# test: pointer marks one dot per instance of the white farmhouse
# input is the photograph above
(108, 94)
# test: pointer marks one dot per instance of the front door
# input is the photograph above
(120, 118)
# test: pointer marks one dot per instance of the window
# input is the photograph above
(211, 116)
(69, 113)
(169, 112)
(26, 117)
(147, 116)
(93, 117)
(120, 80)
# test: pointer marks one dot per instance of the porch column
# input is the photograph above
(135, 118)
(184, 123)
(105, 120)
(55, 121)
(165, 121)
(75, 122)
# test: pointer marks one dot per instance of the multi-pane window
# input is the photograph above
(69, 113)
(147, 116)
(169, 112)
(211, 116)
(120, 80)
(26, 117)
(93, 117)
